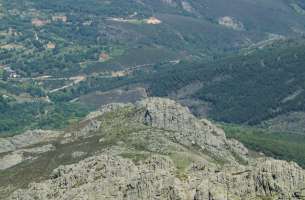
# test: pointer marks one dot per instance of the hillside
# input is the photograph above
(252, 88)
(153, 149)
(152, 99)
(67, 37)
(259, 86)
(53, 55)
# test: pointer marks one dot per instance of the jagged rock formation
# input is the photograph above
(111, 177)
(169, 115)
(154, 149)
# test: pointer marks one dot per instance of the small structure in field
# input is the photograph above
(230, 22)
(51, 45)
(10, 72)
(62, 18)
(39, 22)
(153, 20)
(121, 73)
(103, 57)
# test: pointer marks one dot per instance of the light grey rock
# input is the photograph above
(107, 177)
(28, 138)
(186, 6)
(78, 154)
(170, 155)
(11, 160)
(111, 177)
(188, 130)
(18, 156)
(6, 145)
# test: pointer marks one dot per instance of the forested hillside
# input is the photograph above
(55, 53)
(247, 88)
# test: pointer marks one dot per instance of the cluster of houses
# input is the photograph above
(104, 57)
(10, 72)
(42, 22)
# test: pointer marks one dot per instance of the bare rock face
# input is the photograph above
(169, 2)
(186, 6)
(169, 115)
(111, 177)
(268, 178)
(154, 149)
(107, 177)
(78, 154)
(230, 22)
(280, 178)
(9, 160)
(26, 139)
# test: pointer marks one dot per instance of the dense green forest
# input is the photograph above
(17, 117)
(259, 86)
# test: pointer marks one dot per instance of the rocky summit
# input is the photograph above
(153, 149)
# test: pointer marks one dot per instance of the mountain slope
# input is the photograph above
(64, 37)
(271, 16)
(67, 49)
(248, 88)
(154, 149)
(257, 85)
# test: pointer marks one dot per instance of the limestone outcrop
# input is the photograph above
(154, 149)
(27, 139)
(111, 177)
(188, 130)
(19, 156)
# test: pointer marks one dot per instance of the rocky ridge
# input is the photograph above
(153, 149)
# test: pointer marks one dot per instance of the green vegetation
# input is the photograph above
(258, 86)
(57, 40)
(79, 31)
(1, 73)
(181, 160)
(241, 89)
(284, 146)
(17, 88)
(17, 117)
(63, 39)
